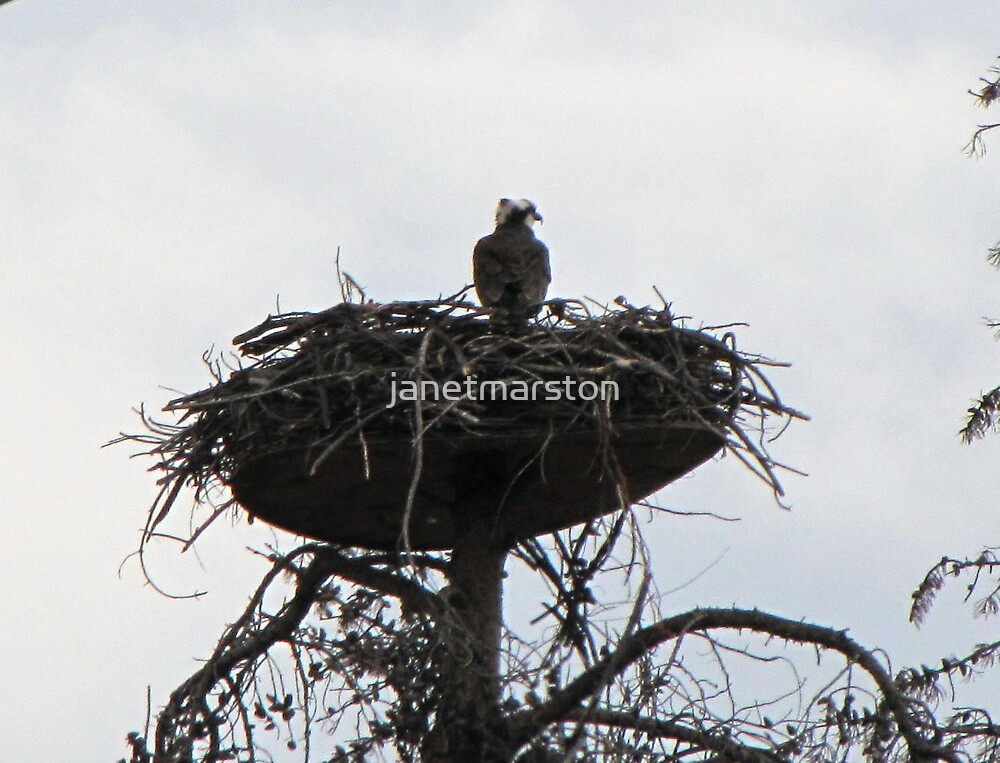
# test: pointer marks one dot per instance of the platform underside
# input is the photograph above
(542, 481)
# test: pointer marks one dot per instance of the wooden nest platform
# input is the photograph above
(383, 425)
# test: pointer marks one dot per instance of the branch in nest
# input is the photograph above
(319, 382)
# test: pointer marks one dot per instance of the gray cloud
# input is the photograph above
(166, 171)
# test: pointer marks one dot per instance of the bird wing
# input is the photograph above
(488, 270)
(537, 273)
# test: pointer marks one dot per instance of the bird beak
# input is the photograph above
(538, 217)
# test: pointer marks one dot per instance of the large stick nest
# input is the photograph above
(318, 381)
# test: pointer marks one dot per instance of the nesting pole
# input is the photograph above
(469, 724)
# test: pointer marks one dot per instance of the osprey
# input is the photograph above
(510, 267)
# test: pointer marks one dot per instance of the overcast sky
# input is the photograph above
(168, 170)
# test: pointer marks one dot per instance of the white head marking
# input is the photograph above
(522, 209)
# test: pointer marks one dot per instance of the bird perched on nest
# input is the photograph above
(510, 267)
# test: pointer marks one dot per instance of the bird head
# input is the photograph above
(517, 211)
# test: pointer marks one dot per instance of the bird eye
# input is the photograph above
(505, 202)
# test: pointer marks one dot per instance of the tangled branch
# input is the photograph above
(385, 672)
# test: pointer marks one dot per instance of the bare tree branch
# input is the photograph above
(631, 648)
(240, 645)
(714, 741)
